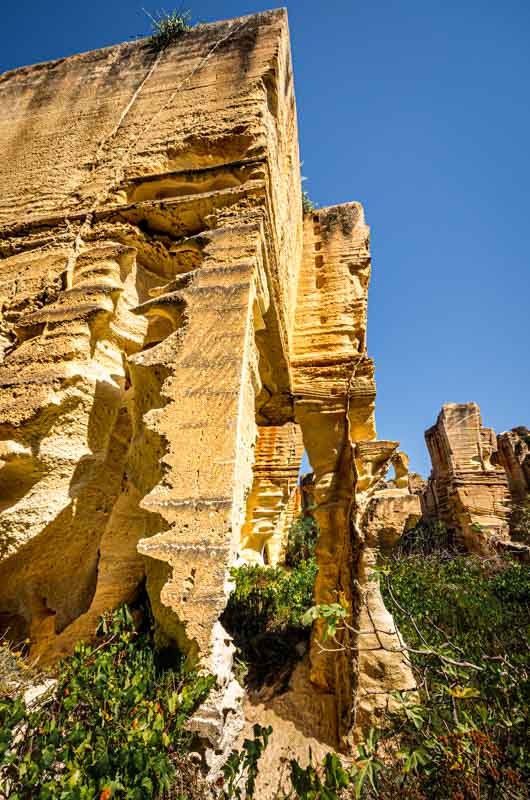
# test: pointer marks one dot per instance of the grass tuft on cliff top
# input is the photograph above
(167, 28)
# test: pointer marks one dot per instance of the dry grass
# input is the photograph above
(16, 673)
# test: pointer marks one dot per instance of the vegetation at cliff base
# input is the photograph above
(264, 616)
(111, 726)
(464, 733)
(266, 606)
(467, 734)
(301, 541)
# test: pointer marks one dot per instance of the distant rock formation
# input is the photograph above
(476, 477)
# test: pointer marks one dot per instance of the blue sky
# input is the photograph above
(420, 110)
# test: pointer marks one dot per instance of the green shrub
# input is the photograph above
(469, 736)
(464, 734)
(113, 725)
(243, 766)
(264, 614)
(308, 206)
(301, 540)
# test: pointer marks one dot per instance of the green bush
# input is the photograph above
(463, 735)
(113, 725)
(301, 540)
(264, 614)
(241, 767)
(467, 622)
(308, 206)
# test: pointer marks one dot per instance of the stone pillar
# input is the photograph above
(466, 490)
(383, 665)
(334, 390)
(208, 425)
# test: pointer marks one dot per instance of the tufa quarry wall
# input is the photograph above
(174, 332)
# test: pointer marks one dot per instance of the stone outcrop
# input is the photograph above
(513, 454)
(170, 332)
(334, 389)
(400, 463)
(467, 488)
(383, 663)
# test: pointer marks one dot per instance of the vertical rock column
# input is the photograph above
(384, 666)
(208, 424)
(334, 391)
(334, 402)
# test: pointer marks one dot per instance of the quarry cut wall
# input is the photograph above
(173, 332)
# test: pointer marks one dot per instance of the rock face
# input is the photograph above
(467, 489)
(334, 389)
(513, 454)
(274, 500)
(170, 331)
(383, 664)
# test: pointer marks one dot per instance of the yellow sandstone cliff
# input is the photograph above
(173, 333)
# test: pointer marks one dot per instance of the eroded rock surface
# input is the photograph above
(513, 454)
(467, 489)
(274, 500)
(170, 332)
(384, 666)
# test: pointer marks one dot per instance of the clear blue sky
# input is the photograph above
(420, 109)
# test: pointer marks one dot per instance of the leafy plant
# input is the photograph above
(167, 27)
(113, 726)
(308, 205)
(264, 614)
(465, 733)
(468, 737)
(318, 783)
(243, 765)
(333, 616)
(301, 540)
